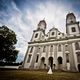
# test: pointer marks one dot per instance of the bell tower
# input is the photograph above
(40, 31)
(72, 26)
(42, 25)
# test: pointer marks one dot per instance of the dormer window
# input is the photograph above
(73, 29)
(52, 33)
(36, 35)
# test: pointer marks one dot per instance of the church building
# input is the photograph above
(54, 49)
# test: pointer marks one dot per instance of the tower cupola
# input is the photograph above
(42, 25)
(70, 18)
(72, 26)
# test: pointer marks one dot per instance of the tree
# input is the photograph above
(8, 40)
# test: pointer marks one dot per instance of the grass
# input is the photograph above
(37, 75)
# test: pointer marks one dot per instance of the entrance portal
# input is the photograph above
(51, 62)
(42, 66)
(59, 62)
(79, 67)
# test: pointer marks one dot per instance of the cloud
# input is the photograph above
(54, 15)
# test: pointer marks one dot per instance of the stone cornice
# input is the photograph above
(62, 39)
(72, 23)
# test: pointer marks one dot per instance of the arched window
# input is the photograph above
(78, 56)
(67, 57)
(59, 47)
(29, 58)
(66, 47)
(37, 58)
(77, 46)
(51, 48)
(31, 49)
(44, 48)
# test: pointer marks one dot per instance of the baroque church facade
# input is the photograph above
(54, 49)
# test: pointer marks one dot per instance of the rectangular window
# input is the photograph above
(29, 58)
(31, 49)
(37, 58)
(73, 29)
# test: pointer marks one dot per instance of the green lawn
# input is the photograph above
(37, 75)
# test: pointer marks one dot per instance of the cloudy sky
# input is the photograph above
(22, 16)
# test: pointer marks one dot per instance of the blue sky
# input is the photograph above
(22, 16)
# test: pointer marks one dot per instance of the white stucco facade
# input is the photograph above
(54, 49)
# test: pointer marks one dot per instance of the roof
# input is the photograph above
(42, 21)
(70, 14)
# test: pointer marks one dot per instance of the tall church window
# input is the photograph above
(71, 21)
(37, 58)
(51, 48)
(28, 49)
(78, 56)
(59, 47)
(73, 29)
(39, 49)
(36, 35)
(77, 46)
(31, 49)
(29, 58)
(67, 57)
(66, 47)
(44, 48)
